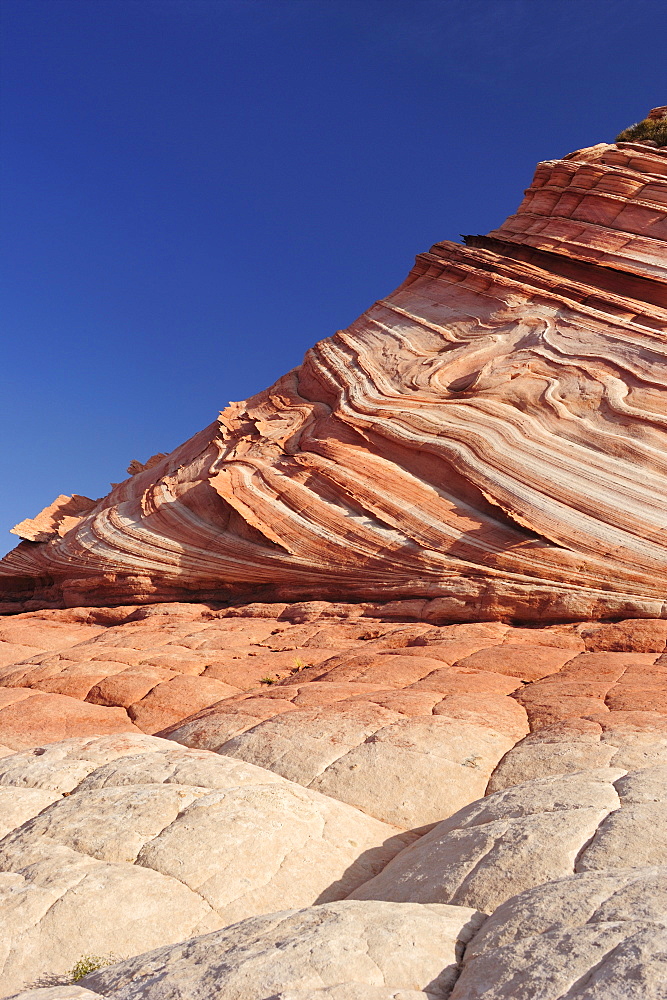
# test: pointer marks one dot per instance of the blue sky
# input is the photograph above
(194, 192)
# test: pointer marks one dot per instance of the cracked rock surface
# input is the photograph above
(194, 840)
(383, 945)
(597, 935)
(391, 762)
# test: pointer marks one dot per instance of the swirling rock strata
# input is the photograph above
(491, 438)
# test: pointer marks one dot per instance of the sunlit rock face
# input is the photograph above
(491, 437)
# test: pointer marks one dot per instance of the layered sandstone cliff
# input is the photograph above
(490, 439)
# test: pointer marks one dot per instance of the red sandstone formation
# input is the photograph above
(490, 439)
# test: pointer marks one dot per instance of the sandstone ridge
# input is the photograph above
(489, 438)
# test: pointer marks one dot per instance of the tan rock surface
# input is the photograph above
(378, 945)
(352, 991)
(415, 770)
(596, 936)
(56, 993)
(61, 767)
(193, 839)
(627, 740)
(453, 699)
(60, 906)
(170, 700)
(20, 804)
(163, 810)
(610, 927)
(344, 991)
(505, 843)
(635, 835)
(46, 718)
(594, 683)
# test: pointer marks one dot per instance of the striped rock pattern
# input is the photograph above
(490, 437)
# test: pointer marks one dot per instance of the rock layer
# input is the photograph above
(596, 936)
(126, 843)
(490, 437)
(568, 865)
(377, 945)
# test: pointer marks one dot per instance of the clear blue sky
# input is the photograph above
(194, 192)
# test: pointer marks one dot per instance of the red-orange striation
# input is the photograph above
(490, 440)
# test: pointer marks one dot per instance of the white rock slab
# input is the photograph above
(594, 936)
(384, 946)
(154, 846)
(20, 804)
(410, 773)
(500, 845)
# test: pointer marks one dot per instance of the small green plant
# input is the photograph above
(267, 680)
(89, 963)
(652, 130)
(299, 665)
